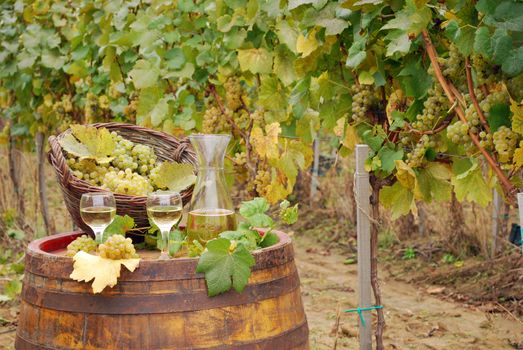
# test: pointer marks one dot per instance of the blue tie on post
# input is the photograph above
(359, 310)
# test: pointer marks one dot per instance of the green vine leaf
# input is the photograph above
(175, 176)
(469, 183)
(224, 268)
(89, 142)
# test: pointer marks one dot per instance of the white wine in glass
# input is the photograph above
(164, 208)
(98, 210)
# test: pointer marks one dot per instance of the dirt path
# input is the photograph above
(415, 319)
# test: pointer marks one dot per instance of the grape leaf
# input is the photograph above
(254, 212)
(175, 176)
(266, 145)
(517, 117)
(105, 272)
(405, 175)
(255, 60)
(144, 74)
(88, 142)
(119, 226)
(269, 239)
(469, 183)
(351, 138)
(433, 182)
(398, 199)
(223, 268)
(288, 214)
(307, 45)
(518, 156)
(249, 238)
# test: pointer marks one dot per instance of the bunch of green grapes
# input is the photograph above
(127, 182)
(494, 98)
(453, 68)
(117, 247)
(486, 73)
(261, 182)
(472, 119)
(214, 121)
(435, 108)
(505, 142)
(233, 93)
(258, 117)
(241, 118)
(515, 87)
(145, 157)
(458, 133)
(82, 243)
(416, 156)
(362, 100)
(485, 140)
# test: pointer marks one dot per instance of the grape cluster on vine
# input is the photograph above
(214, 121)
(415, 156)
(435, 109)
(505, 142)
(362, 100)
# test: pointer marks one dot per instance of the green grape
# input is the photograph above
(233, 93)
(241, 118)
(486, 73)
(82, 243)
(117, 247)
(258, 117)
(416, 156)
(515, 87)
(453, 68)
(362, 100)
(435, 109)
(458, 133)
(262, 181)
(494, 98)
(505, 142)
(214, 121)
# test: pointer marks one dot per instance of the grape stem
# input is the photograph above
(439, 129)
(509, 189)
(473, 97)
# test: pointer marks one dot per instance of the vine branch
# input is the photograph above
(473, 97)
(433, 56)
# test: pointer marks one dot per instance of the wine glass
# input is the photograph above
(98, 210)
(164, 208)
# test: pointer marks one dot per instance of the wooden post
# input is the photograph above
(362, 192)
(495, 222)
(42, 193)
(520, 207)
(422, 217)
(315, 169)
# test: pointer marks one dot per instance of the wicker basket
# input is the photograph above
(165, 146)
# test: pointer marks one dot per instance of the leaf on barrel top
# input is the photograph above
(105, 272)
(175, 176)
(223, 268)
(254, 212)
(119, 226)
(88, 142)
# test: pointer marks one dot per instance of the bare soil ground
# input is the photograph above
(416, 319)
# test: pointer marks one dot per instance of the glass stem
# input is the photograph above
(98, 236)
(165, 242)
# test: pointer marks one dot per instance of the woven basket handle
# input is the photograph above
(57, 159)
(178, 152)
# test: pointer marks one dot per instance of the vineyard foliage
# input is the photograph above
(434, 88)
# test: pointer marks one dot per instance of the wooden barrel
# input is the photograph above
(161, 305)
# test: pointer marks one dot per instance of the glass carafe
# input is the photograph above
(211, 210)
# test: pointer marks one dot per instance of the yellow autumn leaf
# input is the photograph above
(394, 102)
(89, 142)
(518, 156)
(105, 272)
(517, 117)
(405, 175)
(351, 138)
(266, 145)
(276, 191)
(307, 44)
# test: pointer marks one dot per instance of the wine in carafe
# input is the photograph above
(211, 210)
